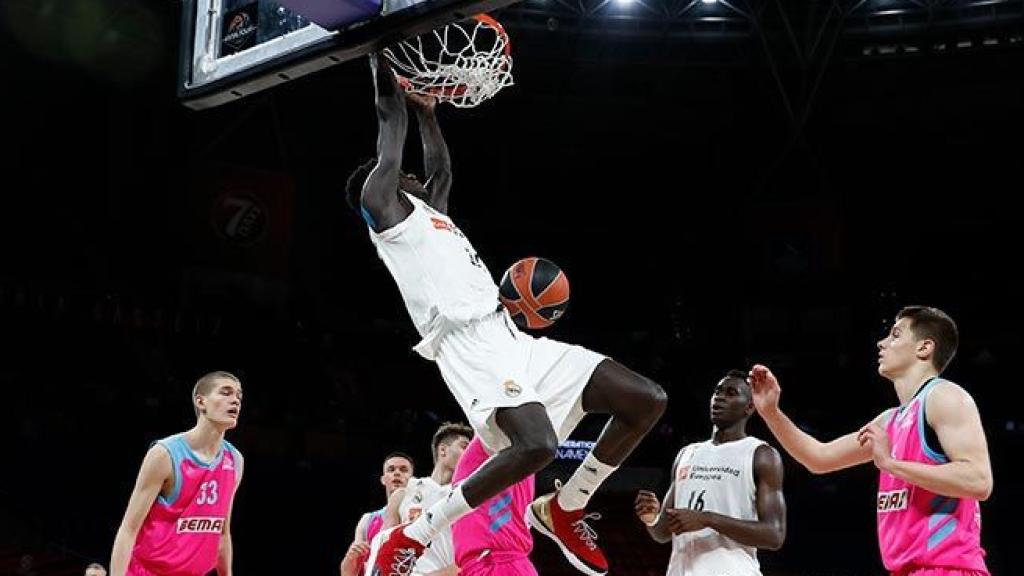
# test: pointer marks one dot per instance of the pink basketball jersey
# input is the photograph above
(918, 528)
(181, 533)
(375, 524)
(496, 531)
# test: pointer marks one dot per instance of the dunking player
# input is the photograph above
(521, 394)
(406, 504)
(178, 519)
(397, 469)
(930, 451)
(726, 499)
(493, 539)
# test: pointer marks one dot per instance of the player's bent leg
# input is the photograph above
(533, 446)
(635, 404)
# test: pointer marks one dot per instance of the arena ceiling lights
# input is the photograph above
(724, 19)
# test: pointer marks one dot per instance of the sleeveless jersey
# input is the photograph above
(181, 534)
(442, 280)
(715, 478)
(374, 524)
(916, 527)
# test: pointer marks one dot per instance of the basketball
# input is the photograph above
(535, 291)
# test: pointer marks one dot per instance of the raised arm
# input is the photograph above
(437, 164)
(952, 413)
(155, 471)
(818, 457)
(768, 532)
(382, 205)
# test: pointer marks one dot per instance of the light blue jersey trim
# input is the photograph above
(500, 507)
(942, 507)
(941, 534)
(367, 217)
(179, 450)
(173, 445)
(922, 421)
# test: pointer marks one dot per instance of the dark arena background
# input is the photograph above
(763, 181)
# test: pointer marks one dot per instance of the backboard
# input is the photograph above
(233, 48)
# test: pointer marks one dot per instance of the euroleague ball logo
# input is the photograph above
(240, 28)
(239, 218)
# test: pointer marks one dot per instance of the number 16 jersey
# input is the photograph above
(715, 478)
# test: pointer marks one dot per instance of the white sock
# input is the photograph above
(583, 483)
(438, 517)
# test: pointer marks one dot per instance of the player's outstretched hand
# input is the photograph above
(765, 387)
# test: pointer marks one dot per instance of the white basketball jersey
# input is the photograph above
(443, 282)
(421, 494)
(715, 478)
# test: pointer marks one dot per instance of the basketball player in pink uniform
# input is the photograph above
(522, 395)
(178, 521)
(930, 451)
(398, 469)
(493, 539)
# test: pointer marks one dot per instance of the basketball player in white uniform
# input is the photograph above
(726, 498)
(406, 504)
(522, 395)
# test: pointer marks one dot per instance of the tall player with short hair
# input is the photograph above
(930, 451)
(725, 500)
(178, 519)
(521, 394)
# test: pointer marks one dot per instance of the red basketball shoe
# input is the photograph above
(569, 529)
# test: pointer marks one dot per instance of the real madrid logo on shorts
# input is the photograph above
(512, 389)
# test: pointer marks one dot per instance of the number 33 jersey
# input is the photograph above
(715, 478)
(181, 533)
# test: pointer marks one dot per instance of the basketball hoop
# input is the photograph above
(463, 63)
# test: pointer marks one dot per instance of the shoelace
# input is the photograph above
(585, 532)
(405, 558)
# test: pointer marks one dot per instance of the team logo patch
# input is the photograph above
(684, 473)
(200, 525)
(892, 501)
(442, 224)
(512, 389)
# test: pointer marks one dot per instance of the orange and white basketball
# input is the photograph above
(535, 291)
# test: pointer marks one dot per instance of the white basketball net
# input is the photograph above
(463, 63)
